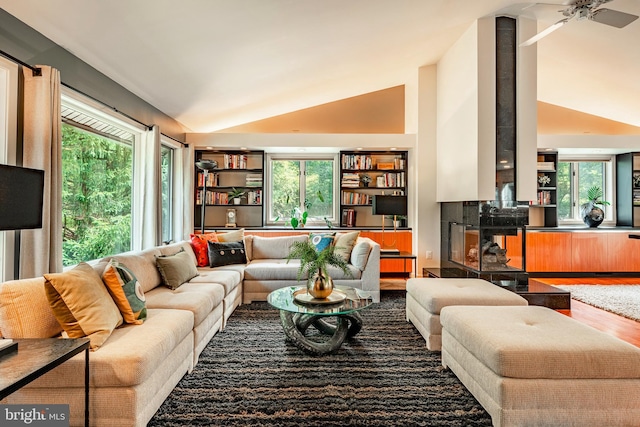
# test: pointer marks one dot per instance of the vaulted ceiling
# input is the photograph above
(218, 64)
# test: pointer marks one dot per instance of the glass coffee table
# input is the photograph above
(299, 311)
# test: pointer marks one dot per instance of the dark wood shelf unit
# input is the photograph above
(628, 192)
(388, 166)
(240, 169)
(548, 194)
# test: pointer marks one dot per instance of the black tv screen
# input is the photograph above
(389, 205)
(21, 191)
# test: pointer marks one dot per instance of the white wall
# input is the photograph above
(427, 209)
(466, 116)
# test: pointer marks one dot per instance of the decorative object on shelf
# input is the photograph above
(636, 181)
(389, 205)
(365, 179)
(543, 180)
(205, 166)
(592, 215)
(236, 195)
(231, 218)
(314, 264)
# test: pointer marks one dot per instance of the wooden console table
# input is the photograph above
(37, 356)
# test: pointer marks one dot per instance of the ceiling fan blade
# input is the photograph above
(544, 33)
(614, 18)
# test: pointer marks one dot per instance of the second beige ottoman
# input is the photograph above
(427, 296)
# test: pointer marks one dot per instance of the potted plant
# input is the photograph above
(365, 179)
(314, 264)
(236, 195)
(592, 214)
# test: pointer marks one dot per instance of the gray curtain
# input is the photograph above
(41, 249)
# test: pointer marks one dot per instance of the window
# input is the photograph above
(167, 174)
(98, 177)
(301, 184)
(575, 177)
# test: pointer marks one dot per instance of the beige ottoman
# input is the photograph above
(532, 366)
(426, 297)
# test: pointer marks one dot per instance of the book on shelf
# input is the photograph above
(357, 161)
(213, 179)
(350, 180)
(235, 161)
(254, 197)
(253, 180)
(546, 166)
(544, 197)
(348, 218)
(355, 198)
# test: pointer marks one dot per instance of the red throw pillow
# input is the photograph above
(200, 248)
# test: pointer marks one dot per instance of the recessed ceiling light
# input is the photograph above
(243, 148)
(503, 161)
(359, 148)
(209, 148)
(393, 148)
(507, 167)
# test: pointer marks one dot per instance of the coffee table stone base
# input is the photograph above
(296, 324)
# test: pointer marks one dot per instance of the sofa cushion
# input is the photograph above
(231, 236)
(344, 243)
(226, 253)
(321, 240)
(176, 269)
(81, 303)
(198, 298)
(143, 266)
(538, 342)
(280, 270)
(126, 292)
(129, 357)
(360, 254)
(230, 279)
(200, 247)
(25, 311)
(274, 247)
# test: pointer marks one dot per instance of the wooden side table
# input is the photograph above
(403, 255)
(37, 356)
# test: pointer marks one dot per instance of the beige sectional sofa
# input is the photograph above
(136, 368)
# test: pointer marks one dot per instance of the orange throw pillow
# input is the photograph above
(200, 248)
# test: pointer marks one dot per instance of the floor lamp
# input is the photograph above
(389, 205)
(205, 166)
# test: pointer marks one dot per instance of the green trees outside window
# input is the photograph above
(166, 170)
(574, 180)
(97, 176)
(291, 195)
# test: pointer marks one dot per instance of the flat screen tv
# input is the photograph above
(389, 205)
(21, 191)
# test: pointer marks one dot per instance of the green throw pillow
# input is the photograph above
(176, 269)
(126, 292)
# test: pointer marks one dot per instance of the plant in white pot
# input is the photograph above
(314, 263)
(592, 213)
(236, 195)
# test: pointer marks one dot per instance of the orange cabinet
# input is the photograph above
(548, 251)
(598, 251)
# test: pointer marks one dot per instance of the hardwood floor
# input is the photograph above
(623, 328)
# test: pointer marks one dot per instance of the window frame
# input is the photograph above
(609, 187)
(174, 191)
(268, 190)
(90, 107)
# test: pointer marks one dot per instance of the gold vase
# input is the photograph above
(320, 285)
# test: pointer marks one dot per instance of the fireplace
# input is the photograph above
(489, 238)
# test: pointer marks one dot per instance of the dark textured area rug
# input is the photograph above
(619, 299)
(250, 376)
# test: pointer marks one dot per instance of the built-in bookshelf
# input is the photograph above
(547, 180)
(364, 174)
(236, 170)
(628, 189)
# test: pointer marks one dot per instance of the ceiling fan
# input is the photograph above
(586, 9)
